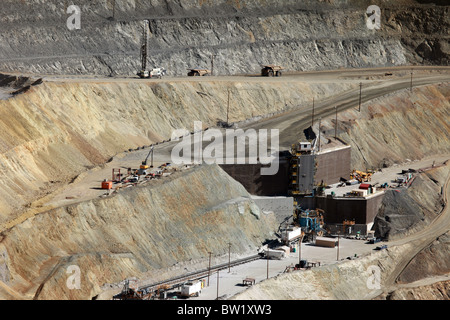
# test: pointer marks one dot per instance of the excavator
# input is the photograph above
(143, 167)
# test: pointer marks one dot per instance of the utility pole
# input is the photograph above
(410, 87)
(217, 285)
(337, 258)
(320, 123)
(360, 87)
(300, 250)
(229, 257)
(336, 124)
(228, 105)
(268, 253)
(209, 267)
(312, 121)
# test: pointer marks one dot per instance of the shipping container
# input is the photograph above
(326, 242)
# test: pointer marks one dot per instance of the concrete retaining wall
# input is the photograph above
(249, 175)
(362, 210)
(332, 165)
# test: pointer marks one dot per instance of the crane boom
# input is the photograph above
(144, 73)
(144, 163)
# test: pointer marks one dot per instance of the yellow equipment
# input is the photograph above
(361, 176)
(143, 167)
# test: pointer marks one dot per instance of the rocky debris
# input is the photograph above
(406, 210)
(398, 213)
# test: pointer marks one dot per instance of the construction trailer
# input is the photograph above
(290, 234)
(106, 184)
(191, 288)
(271, 70)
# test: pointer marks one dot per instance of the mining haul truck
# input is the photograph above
(198, 72)
(271, 70)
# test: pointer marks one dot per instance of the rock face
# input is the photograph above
(430, 262)
(138, 232)
(426, 275)
(435, 291)
(407, 210)
(238, 35)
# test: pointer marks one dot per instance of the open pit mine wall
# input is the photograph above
(396, 127)
(241, 35)
(138, 232)
(55, 131)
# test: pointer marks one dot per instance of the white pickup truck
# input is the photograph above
(157, 72)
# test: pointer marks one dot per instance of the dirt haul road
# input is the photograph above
(419, 240)
(291, 124)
